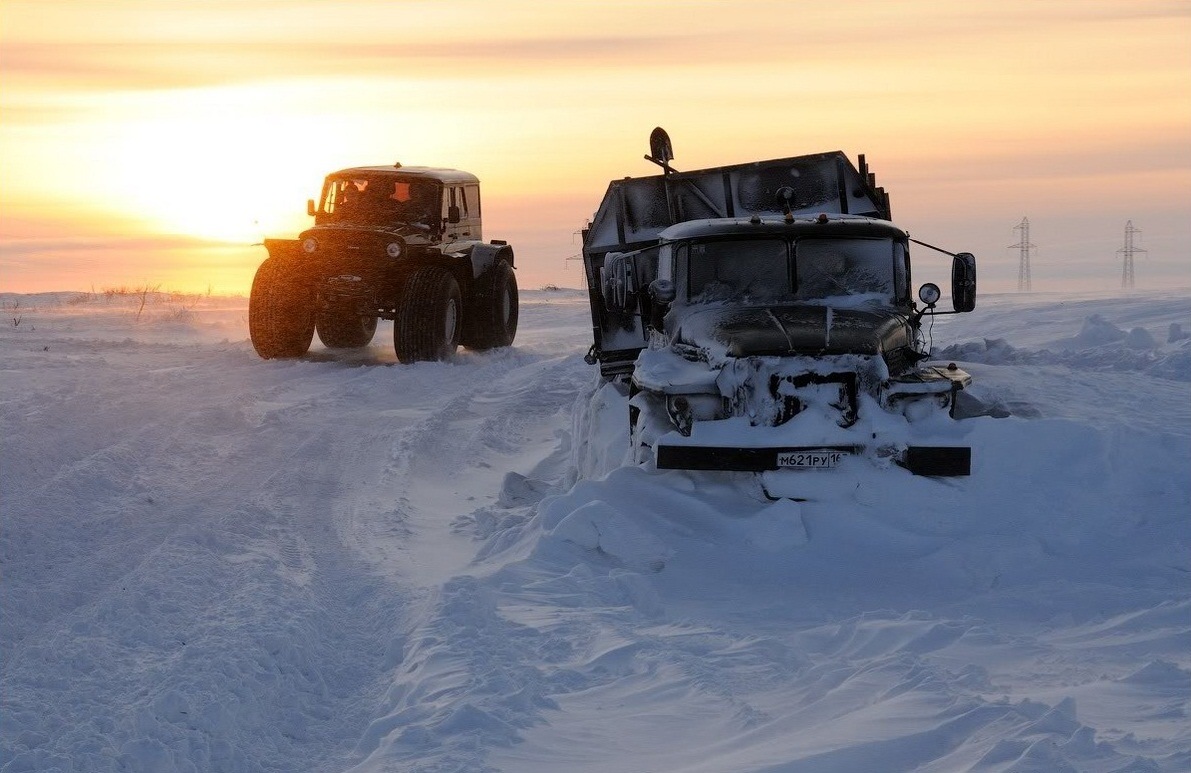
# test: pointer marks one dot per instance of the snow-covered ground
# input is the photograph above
(215, 563)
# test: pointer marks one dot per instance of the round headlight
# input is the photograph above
(929, 293)
(309, 244)
(394, 250)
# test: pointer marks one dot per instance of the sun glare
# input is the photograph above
(220, 174)
(233, 164)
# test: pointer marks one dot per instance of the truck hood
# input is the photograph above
(790, 329)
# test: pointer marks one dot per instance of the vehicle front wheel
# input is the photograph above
(343, 327)
(280, 313)
(428, 322)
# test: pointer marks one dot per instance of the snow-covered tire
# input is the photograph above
(344, 328)
(280, 313)
(428, 322)
(493, 319)
(640, 436)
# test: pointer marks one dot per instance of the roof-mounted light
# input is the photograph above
(822, 218)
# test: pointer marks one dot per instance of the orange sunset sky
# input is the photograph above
(155, 141)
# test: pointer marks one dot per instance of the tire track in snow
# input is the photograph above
(462, 678)
(323, 624)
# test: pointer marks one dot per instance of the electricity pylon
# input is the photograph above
(1023, 269)
(1127, 253)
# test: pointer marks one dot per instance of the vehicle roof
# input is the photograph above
(828, 225)
(435, 173)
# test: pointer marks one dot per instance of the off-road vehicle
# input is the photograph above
(388, 242)
(760, 318)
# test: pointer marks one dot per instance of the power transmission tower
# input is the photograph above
(1023, 269)
(579, 257)
(1127, 252)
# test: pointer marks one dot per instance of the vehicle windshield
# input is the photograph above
(379, 200)
(828, 268)
(745, 269)
(752, 270)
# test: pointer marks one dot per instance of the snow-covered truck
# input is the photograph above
(388, 242)
(760, 318)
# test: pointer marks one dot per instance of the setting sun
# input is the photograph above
(228, 164)
(209, 170)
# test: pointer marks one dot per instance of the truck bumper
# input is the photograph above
(942, 461)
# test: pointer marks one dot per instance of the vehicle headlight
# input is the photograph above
(394, 249)
(929, 293)
(309, 244)
(684, 410)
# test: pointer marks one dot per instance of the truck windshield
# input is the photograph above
(830, 268)
(379, 200)
(743, 269)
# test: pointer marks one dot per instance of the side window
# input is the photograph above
(901, 273)
(448, 200)
(473, 200)
(463, 212)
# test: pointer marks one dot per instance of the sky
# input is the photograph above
(155, 142)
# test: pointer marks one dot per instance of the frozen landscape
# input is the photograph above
(212, 562)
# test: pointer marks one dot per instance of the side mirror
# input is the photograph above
(963, 282)
(453, 215)
(662, 292)
(618, 285)
(310, 210)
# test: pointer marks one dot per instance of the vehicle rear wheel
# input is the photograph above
(342, 327)
(280, 313)
(428, 322)
(494, 321)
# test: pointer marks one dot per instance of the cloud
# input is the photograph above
(103, 66)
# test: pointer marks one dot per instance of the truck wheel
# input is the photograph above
(428, 322)
(494, 321)
(640, 450)
(280, 313)
(344, 328)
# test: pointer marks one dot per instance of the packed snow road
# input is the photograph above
(212, 562)
(205, 549)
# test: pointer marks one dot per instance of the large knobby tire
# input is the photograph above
(493, 321)
(342, 327)
(280, 313)
(430, 318)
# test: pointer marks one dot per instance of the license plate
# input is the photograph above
(809, 460)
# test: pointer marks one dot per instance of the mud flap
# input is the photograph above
(938, 461)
